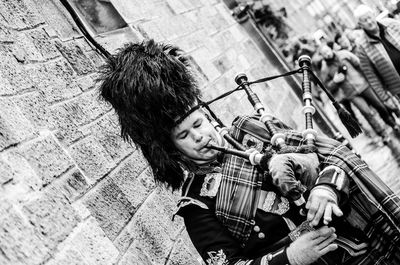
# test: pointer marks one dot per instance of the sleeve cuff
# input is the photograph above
(276, 258)
(333, 176)
(336, 178)
(328, 191)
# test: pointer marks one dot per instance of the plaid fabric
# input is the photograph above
(373, 207)
(239, 189)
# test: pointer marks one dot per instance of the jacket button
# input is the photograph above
(256, 228)
(261, 235)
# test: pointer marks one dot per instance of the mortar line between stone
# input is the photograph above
(139, 207)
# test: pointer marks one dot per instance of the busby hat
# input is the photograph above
(150, 86)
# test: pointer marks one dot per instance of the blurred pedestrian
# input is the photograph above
(342, 75)
(273, 20)
(344, 42)
(379, 54)
(347, 41)
(303, 45)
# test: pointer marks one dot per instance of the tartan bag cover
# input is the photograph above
(374, 208)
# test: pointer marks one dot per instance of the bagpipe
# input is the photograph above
(372, 208)
(309, 134)
(308, 109)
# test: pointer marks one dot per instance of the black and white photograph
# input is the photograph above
(199, 132)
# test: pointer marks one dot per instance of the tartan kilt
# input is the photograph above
(373, 207)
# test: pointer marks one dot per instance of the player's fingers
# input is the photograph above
(336, 210)
(328, 214)
(319, 213)
(312, 210)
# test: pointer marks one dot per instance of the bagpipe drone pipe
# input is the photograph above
(288, 187)
(258, 138)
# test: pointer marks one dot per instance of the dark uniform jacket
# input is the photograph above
(268, 238)
(267, 242)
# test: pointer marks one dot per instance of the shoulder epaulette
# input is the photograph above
(185, 201)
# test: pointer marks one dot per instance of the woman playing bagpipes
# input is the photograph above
(232, 210)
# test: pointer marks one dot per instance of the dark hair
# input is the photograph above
(337, 37)
(149, 85)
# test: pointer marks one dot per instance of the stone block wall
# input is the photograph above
(71, 190)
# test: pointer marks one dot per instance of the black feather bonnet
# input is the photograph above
(150, 85)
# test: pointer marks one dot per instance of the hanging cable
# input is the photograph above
(100, 49)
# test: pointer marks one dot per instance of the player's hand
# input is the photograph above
(322, 203)
(311, 246)
(339, 77)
